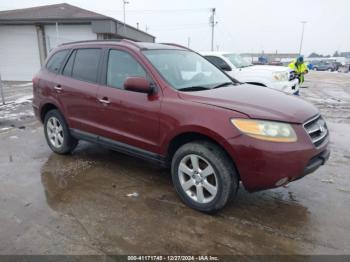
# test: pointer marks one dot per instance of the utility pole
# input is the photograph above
(146, 28)
(302, 35)
(137, 25)
(57, 35)
(125, 2)
(213, 23)
(188, 42)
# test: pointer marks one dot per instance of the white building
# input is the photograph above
(27, 35)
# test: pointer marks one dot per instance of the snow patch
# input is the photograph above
(24, 99)
(23, 85)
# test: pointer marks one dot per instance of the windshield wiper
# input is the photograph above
(193, 88)
(223, 84)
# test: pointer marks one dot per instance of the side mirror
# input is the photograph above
(138, 84)
(225, 67)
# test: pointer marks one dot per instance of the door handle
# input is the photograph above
(104, 101)
(58, 87)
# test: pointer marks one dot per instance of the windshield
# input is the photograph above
(186, 70)
(237, 60)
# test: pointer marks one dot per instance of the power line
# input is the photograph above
(159, 10)
(179, 25)
(179, 28)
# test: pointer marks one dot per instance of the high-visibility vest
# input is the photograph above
(298, 68)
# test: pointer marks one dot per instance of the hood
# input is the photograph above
(268, 68)
(256, 102)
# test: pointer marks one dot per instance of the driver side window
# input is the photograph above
(122, 65)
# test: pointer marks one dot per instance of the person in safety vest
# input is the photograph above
(300, 68)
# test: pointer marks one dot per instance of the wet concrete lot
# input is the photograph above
(85, 203)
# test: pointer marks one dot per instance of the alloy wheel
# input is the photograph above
(55, 132)
(197, 178)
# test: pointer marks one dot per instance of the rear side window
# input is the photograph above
(55, 62)
(122, 65)
(86, 64)
(67, 71)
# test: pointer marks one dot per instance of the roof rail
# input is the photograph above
(130, 42)
(104, 40)
(177, 45)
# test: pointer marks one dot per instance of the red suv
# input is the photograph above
(168, 104)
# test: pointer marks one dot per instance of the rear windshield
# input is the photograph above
(237, 60)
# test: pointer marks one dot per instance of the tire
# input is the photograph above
(57, 133)
(185, 175)
(315, 69)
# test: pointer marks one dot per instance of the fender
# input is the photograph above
(187, 129)
(51, 101)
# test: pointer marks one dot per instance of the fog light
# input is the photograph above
(281, 181)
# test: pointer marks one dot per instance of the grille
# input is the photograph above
(292, 75)
(317, 130)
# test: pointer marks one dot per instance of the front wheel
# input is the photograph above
(57, 133)
(204, 176)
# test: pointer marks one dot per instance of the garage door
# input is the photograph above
(67, 33)
(19, 53)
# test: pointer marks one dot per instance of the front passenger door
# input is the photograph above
(126, 116)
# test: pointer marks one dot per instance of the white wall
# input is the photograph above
(19, 52)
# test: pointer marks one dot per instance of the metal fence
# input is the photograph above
(2, 92)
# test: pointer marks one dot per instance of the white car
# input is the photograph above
(275, 77)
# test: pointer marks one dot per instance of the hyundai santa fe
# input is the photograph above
(168, 104)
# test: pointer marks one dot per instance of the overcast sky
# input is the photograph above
(243, 25)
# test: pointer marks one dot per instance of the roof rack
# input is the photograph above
(89, 41)
(99, 41)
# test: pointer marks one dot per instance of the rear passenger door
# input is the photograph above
(49, 74)
(126, 116)
(77, 88)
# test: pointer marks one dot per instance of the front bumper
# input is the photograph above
(290, 87)
(263, 165)
(317, 161)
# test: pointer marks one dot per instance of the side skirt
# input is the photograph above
(120, 147)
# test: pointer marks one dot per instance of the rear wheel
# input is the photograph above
(204, 176)
(57, 133)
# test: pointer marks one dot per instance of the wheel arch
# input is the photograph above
(46, 108)
(186, 137)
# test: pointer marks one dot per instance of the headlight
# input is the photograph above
(266, 130)
(281, 76)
